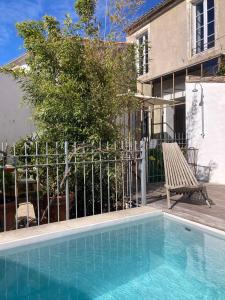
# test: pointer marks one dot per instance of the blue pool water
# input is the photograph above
(154, 258)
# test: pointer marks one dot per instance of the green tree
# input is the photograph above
(74, 78)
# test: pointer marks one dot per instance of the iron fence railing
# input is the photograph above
(44, 183)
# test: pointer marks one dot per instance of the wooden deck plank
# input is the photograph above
(194, 210)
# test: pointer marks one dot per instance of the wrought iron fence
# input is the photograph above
(44, 183)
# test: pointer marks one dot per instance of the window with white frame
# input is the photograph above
(143, 54)
(204, 25)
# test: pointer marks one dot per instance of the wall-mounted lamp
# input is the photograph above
(201, 104)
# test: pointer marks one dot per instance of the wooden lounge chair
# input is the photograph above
(26, 215)
(179, 176)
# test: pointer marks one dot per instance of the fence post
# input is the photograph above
(143, 173)
(147, 161)
(67, 182)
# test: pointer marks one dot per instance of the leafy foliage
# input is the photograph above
(86, 10)
(221, 71)
(121, 14)
(72, 83)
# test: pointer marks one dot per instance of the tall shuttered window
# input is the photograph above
(143, 54)
(204, 25)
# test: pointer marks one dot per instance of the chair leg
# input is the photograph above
(168, 199)
(205, 196)
(189, 196)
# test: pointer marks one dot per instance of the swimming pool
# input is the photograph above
(152, 258)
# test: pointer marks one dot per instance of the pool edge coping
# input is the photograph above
(64, 232)
(67, 231)
(206, 228)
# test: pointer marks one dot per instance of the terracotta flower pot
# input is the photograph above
(9, 168)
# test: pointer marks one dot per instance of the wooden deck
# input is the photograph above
(194, 210)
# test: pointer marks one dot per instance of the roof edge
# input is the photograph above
(155, 12)
(16, 60)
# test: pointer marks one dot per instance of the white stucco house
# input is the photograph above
(15, 117)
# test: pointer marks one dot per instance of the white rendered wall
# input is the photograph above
(168, 127)
(15, 118)
(212, 146)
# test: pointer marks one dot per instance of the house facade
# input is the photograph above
(176, 39)
(15, 117)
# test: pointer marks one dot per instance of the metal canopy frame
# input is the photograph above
(148, 100)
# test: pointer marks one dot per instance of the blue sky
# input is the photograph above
(13, 11)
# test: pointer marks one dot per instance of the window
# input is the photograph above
(145, 126)
(211, 67)
(204, 25)
(143, 50)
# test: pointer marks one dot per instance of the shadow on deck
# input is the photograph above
(195, 209)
